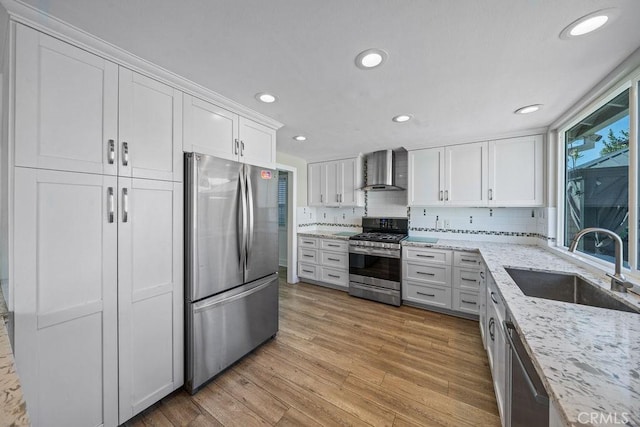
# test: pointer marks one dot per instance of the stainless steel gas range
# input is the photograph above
(374, 260)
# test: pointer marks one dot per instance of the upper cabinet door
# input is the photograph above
(150, 138)
(351, 182)
(330, 179)
(426, 177)
(66, 106)
(466, 174)
(257, 144)
(516, 171)
(209, 129)
(315, 186)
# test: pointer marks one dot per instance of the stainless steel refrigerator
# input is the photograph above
(231, 248)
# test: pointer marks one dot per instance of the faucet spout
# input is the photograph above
(618, 281)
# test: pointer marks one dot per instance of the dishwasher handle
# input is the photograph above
(539, 397)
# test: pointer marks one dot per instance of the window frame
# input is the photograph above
(631, 83)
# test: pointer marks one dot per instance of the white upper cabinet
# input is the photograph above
(466, 174)
(212, 130)
(66, 106)
(516, 171)
(150, 137)
(335, 183)
(426, 177)
(506, 172)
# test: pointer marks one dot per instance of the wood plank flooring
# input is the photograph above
(339, 360)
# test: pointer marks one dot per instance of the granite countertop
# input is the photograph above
(587, 357)
(13, 411)
(338, 235)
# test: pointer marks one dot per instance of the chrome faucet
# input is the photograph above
(618, 282)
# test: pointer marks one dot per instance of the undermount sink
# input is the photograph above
(566, 288)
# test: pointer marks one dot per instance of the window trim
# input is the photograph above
(631, 83)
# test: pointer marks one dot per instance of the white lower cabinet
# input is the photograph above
(497, 350)
(98, 294)
(324, 261)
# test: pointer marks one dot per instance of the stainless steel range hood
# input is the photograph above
(381, 171)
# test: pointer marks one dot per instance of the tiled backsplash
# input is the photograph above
(334, 218)
(386, 203)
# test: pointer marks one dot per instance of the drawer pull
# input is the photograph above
(426, 274)
(307, 242)
(493, 299)
(468, 280)
(308, 256)
(333, 246)
(426, 295)
(334, 276)
(308, 271)
(334, 259)
(425, 256)
(468, 260)
(468, 302)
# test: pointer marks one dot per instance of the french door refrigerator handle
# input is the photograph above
(251, 218)
(243, 236)
(192, 173)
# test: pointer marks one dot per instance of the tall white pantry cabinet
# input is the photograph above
(95, 171)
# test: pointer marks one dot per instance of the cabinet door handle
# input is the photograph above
(493, 298)
(446, 195)
(426, 295)
(334, 276)
(492, 327)
(334, 259)
(468, 302)
(236, 145)
(441, 196)
(110, 204)
(321, 198)
(125, 205)
(425, 256)
(490, 194)
(111, 151)
(425, 274)
(482, 274)
(341, 198)
(241, 148)
(125, 154)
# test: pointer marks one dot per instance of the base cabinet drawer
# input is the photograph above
(428, 274)
(467, 302)
(334, 245)
(307, 271)
(466, 259)
(466, 279)
(307, 242)
(308, 255)
(431, 256)
(335, 277)
(438, 296)
(332, 259)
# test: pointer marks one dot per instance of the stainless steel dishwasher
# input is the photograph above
(528, 402)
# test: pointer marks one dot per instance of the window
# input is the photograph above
(596, 186)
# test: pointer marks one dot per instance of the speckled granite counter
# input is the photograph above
(339, 235)
(587, 357)
(13, 410)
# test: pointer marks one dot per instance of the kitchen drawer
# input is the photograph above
(307, 271)
(439, 296)
(429, 274)
(334, 259)
(431, 256)
(334, 245)
(466, 259)
(307, 242)
(466, 279)
(334, 276)
(308, 255)
(465, 301)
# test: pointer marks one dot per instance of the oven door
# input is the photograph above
(371, 266)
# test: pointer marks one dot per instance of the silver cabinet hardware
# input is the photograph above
(110, 204)
(241, 148)
(236, 146)
(333, 246)
(425, 273)
(468, 260)
(493, 298)
(441, 195)
(307, 256)
(125, 205)
(468, 280)
(446, 195)
(490, 194)
(334, 276)
(125, 154)
(307, 242)
(426, 295)
(307, 271)
(111, 150)
(321, 198)
(482, 274)
(492, 329)
(334, 259)
(425, 256)
(468, 302)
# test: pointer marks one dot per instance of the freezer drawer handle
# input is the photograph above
(216, 301)
(540, 398)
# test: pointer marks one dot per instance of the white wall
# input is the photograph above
(301, 173)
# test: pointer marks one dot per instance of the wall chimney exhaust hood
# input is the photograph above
(381, 171)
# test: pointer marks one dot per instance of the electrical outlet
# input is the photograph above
(470, 219)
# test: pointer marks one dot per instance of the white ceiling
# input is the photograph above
(460, 67)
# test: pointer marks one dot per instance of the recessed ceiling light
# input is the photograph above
(589, 23)
(528, 109)
(265, 97)
(371, 58)
(300, 138)
(402, 118)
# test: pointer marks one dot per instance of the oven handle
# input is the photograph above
(367, 251)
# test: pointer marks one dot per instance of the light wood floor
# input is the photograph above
(339, 360)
